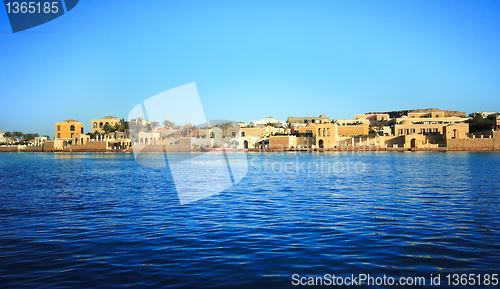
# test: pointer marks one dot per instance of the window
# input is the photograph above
(242, 133)
(58, 128)
(72, 128)
(58, 135)
(233, 134)
(72, 135)
(82, 130)
(95, 125)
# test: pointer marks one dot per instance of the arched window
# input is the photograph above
(100, 125)
(95, 124)
(72, 128)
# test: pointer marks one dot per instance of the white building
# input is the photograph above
(262, 122)
(39, 140)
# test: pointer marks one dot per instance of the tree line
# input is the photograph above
(17, 137)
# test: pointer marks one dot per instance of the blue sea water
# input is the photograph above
(102, 220)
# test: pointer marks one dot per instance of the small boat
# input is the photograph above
(223, 149)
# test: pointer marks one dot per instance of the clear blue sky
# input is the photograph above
(251, 59)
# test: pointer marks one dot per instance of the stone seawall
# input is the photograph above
(33, 150)
(11, 149)
(475, 144)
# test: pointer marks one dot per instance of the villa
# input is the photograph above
(97, 124)
(67, 129)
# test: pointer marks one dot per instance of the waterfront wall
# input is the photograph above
(492, 142)
(38, 149)
(281, 142)
(9, 149)
(91, 146)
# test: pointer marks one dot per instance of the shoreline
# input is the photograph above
(13, 149)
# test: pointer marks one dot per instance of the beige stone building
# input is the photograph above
(320, 119)
(97, 124)
(372, 117)
(319, 135)
(425, 126)
(352, 127)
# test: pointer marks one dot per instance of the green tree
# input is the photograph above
(188, 128)
(272, 124)
(93, 135)
(289, 127)
(154, 125)
(8, 136)
(124, 124)
(107, 128)
(28, 137)
(17, 135)
(168, 123)
(118, 127)
(47, 136)
(225, 126)
(478, 123)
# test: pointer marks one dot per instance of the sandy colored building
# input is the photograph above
(97, 124)
(321, 135)
(80, 139)
(67, 129)
(256, 131)
(372, 117)
(352, 127)
(320, 119)
(425, 126)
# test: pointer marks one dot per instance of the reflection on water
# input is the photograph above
(101, 220)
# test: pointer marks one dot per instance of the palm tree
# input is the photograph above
(225, 126)
(107, 128)
(168, 123)
(187, 128)
(289, 127)
(154, 125)
(29, 136)
(118, 127)
(17, 135)
(273, 124)
(7, 135)
(124, 124)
